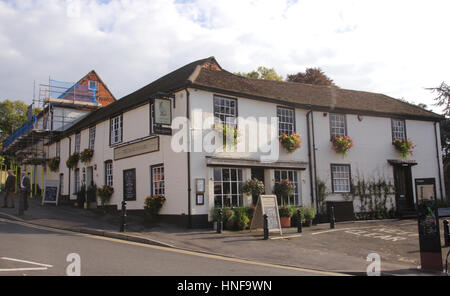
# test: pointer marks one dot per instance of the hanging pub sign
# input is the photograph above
(163, 111)
(129, 185)
(51, 192)
(267, 205)
(429, 236)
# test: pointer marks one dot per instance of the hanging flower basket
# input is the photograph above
(283, 190)
(404, 147)
(152, 205)
(86, 155)
(53, 164)
(291, 142)
(72, 161)
(342, 144)
(229, 134)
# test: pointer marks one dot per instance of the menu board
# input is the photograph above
(267, 205)
(429, 236)
(129, 184)
(51, 192)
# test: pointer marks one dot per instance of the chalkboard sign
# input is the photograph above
(429, 236)
(51, 192)
(129, 185)
(267, 205)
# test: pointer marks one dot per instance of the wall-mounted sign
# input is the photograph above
(143, 147)
(425, 189)
(129, 184)
(159, 130)
(267, 205)
(51, 192)
(200, 199)
(200, 185)
(163, 111)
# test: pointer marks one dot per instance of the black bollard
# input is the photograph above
(332, 219)
(446, 234)
(219, 221)
(124, 216)
(21, 205)
(266, 227)
(299, 221)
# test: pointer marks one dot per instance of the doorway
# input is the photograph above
(404, 196)
(257, 173)
(90, 177)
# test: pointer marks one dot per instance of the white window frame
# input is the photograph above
(78, 143)
(341, 178)
(77, 186)
(398, 129)
(235, 200)
(225, 111)
(157, 181)
(116, 128)
(92, 131)
(286, 120)
(109, 173)
(338, 125)
(294, 177)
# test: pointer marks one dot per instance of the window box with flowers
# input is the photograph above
(86, 155)
(53, 164)
(72, 161)
(404, 147)
(342, 144)
(229, 134)
(153, 205)
(290, 142)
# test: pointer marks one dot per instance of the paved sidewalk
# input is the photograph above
(316, 248)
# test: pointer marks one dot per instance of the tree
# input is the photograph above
(311, 76)
(13, 114)
(262, 73)
(443, 97)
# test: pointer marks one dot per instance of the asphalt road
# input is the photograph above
(39, 251)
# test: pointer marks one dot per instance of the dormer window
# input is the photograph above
(92, 85)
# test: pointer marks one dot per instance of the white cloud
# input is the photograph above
(392, 47)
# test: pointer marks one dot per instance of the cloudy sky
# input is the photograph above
(393, 47)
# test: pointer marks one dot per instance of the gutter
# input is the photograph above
(189, 162)
(438, 161)
(309, 156)
(315, 162)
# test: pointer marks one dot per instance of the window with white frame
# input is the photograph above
(227, 187)
(116, 129)
(158, 180)
(109, 173)
(77, 143)
(58, 149)
(91, 137)
(338, 125)
(225, 111)
(292, 176)
(92, 85)
(76, 181)
(341, 178)
(286, 121)
(398, 129)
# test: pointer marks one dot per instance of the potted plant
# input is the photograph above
(283, 190)
(290, 142)
(404, 147)
(86, 155)
(250, 213)
(241, 219)
(53, 164)
(229, 134)
(105, 194)
(310, 214)
(91, 197)
(72, 161)
(153, 205)
(285, 216)
(254, 187)
(342, 144)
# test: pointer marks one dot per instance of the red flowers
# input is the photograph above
(291, 142)
(342, 144)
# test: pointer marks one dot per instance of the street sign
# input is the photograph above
(51, 192)
(429, 236)
(267, 205)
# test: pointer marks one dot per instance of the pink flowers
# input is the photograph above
(291, 142)
(342, 144)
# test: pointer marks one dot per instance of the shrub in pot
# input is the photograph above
(105, 194)
(310, 214)
(285, 216)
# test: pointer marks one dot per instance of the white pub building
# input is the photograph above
(143, 145)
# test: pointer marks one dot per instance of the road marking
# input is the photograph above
(24, 269)
(185, 252)
(28, 262)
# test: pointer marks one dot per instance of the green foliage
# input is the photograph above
(105, 194)
(404, 147)
(262, 73)
(285, 211)
(72, 161)
(53, 164)
(309, 213)
(253, 187)
(153, 205)
(290, 142)
(13, 114)
(86, 155)
(236, 218)
(322, 194)
(283, 190)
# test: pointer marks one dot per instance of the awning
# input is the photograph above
(252, 163)
(399, 162)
